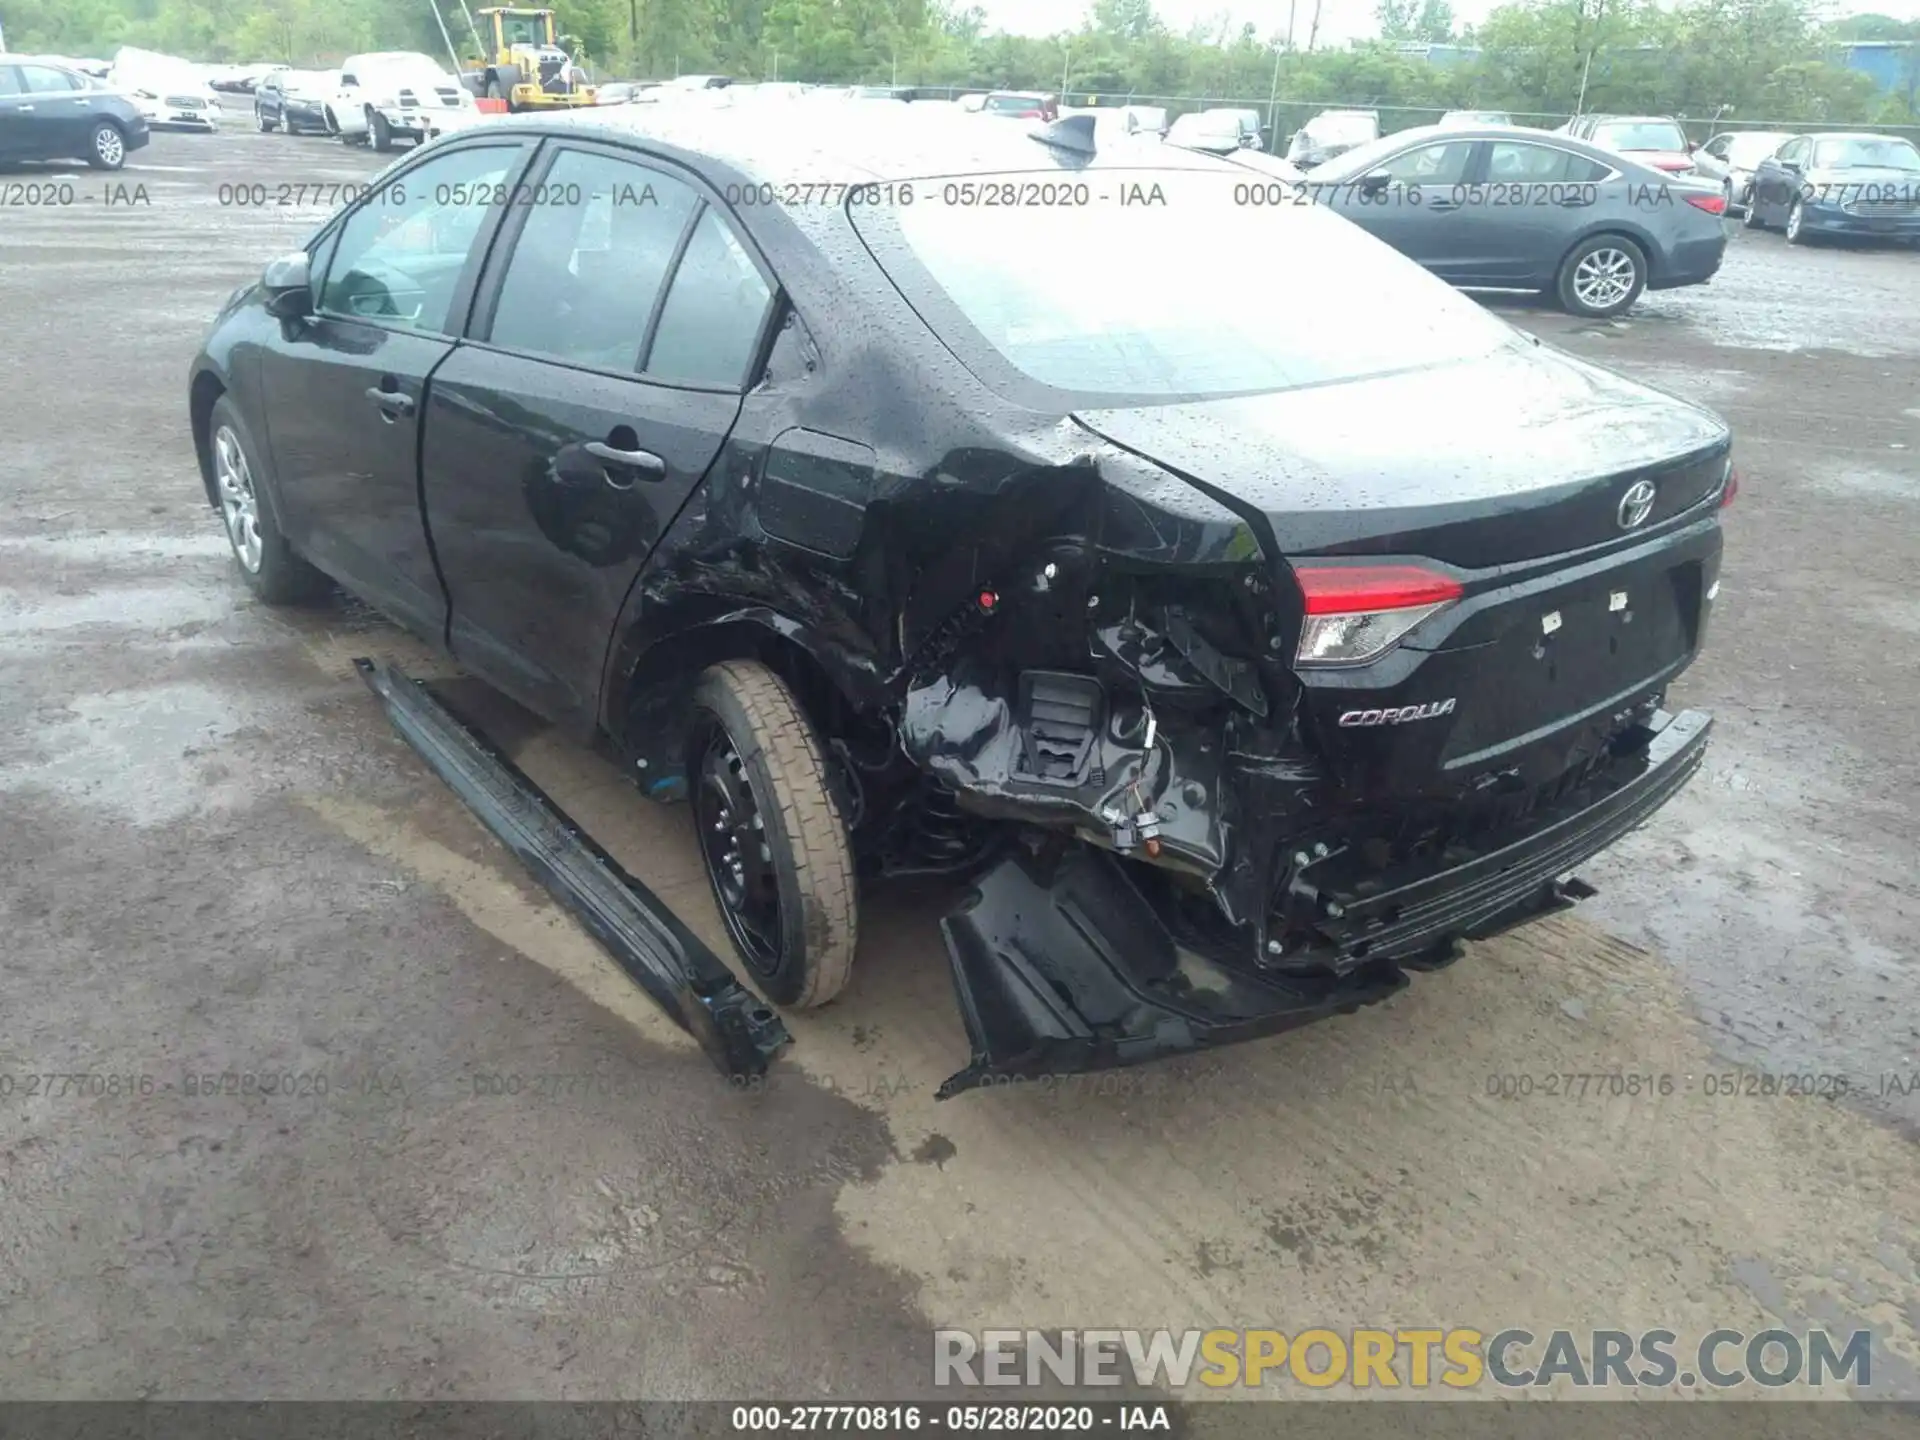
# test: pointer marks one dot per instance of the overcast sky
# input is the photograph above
(1340, 20)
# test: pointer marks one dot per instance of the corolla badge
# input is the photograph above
(1398, 714)
(1636, 504)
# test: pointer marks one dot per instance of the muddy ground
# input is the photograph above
(216, 857)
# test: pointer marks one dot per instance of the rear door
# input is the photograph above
(1528, 203)
(343, 390)
(1421, 210)
(618, 321)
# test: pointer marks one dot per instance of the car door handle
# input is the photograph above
(392, 403)
(1443, 205)
(22, 109)
(650, 465)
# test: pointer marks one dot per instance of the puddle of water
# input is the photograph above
(1856, 479)
(140, 752)
(138, 607)
(117, 545)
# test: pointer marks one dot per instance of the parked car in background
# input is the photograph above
(1731, 158)
(1332, 133)
(51, 112)
(971, 104)
(1021, 105)
(698, 82)
(172, 93)
(883, 92)
(618, 92)
(391, 95)
(1839, 184)
(1475, 119)
(1217, 132)
(295, 100)
(1656, 140)
(1130, 119)
(1509, 209)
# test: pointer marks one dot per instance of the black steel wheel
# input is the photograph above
(771, 834)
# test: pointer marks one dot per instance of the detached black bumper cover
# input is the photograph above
(736, 1029)
(1074, 970)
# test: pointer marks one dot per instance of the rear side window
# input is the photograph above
(591, 260)
(9, 80)
(1520, 163)
(714, 312)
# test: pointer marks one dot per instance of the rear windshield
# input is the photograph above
(1047, 285)
(1641, 135)
(1012, 104)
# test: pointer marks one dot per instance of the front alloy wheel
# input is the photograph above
(238, 504)
(1796, 223)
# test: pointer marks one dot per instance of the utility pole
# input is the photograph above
(1066, 59)
(1313, 31)
(1273, 100)
(1291, 6)
(438, 19)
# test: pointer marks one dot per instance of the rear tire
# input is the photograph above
(771, 834)
(106, 147)
(266, 562)
(1601, 277)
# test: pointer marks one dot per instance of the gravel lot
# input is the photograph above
(215, 856)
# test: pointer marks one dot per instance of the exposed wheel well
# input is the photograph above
(651, 724)
(206, 390)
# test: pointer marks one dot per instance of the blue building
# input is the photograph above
(1892, 65)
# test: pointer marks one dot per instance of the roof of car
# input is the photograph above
(1848, 135)
(829, 144)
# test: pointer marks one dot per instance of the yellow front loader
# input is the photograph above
(525, 65)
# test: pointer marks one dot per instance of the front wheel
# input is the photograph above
(267, 127)
(1602, 277)
(379, 132)
(1753, 220)
(1796, 223)
(267, 563)
(771, 834)
(106, 147)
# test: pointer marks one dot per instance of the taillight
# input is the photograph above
(1714, 204)
(1731, 488)
(1032, 115)
(1673, 167)
(1357, 613)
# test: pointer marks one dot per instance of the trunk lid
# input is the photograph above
(1514, 456)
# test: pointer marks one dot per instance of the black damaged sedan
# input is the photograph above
(1240, 646)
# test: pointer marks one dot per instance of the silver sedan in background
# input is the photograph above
(1731, 158)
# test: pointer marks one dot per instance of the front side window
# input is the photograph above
(400, 255)
(591, 261)
(9, 80)
(1442, 164)
(714, 313)
(45, 80)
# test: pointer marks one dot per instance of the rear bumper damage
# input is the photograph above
(1067, 964)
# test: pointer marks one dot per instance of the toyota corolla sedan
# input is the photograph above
(1242, 648)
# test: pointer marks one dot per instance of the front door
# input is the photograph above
(346, 389)
(1421, 209)
(611, 346)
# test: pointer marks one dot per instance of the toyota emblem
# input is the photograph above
(1636, 504)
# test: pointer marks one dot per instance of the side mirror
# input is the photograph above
(1376, 180)
(288, 285)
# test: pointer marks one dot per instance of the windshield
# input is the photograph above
(1877, 151)
(1365, 157)
(1641, 135)
(524, 30)
(1043, 290)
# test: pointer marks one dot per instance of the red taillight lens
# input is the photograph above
(1715, 204)
(1350, 589)
(1357, 613)
(1032, 115)
(1674, 166)
(1731, 488)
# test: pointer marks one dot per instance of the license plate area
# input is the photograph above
(1558, 654)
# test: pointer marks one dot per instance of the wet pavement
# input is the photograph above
(461, 1155)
